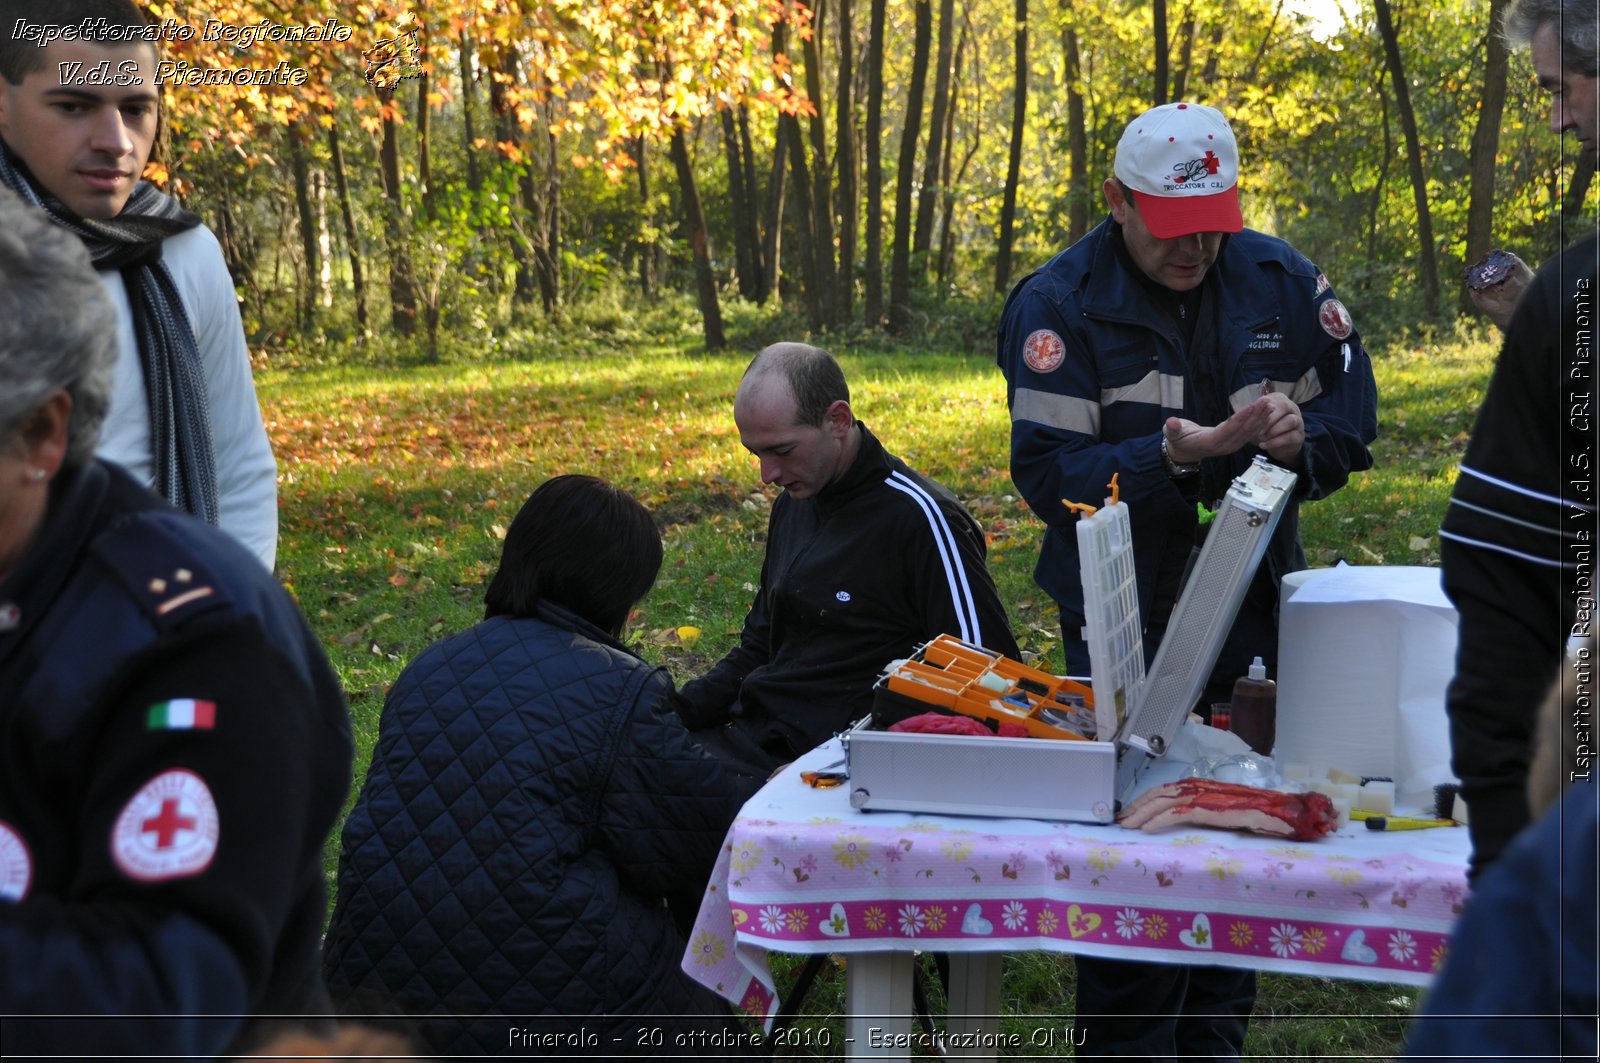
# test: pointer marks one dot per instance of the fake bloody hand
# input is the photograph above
(1230, 806)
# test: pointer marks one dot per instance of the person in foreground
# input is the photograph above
(74, 142)
(1523, 977)
(1516, 544)
(866, 560)
(530, 803)
(1170, 346)
(174, 747)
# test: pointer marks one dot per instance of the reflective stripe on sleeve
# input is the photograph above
(1066, 412)
(1155, 389)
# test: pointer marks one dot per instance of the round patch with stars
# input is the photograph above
(1043, 351)
(1335, 319)
(169, 829)
(16, 865)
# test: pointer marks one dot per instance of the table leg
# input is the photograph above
(877, 1004)
(974, 996)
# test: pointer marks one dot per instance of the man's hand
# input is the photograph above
(1497, 301)
(1272, 422)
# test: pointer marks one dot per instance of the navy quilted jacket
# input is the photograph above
(528, 806)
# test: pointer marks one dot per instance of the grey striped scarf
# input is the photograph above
(181, 451)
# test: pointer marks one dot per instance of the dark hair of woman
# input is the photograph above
(581, 543)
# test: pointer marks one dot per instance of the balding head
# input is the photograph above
(793, 413)
(810, 375)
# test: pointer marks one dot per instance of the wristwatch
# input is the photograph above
(1176, 470)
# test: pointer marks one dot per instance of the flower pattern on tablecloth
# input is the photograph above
(1241, 934)
(1130, 924)
(1314, 940)
(708, 948)
(1155, 926)
(937, 918)
(746, 858)
(851, 851)
(1438, 956)
(875, 918)
(912, 921)
(1285, 940)
(772, 919)
(796, 920)
(1402, 946)
(1014, 915)
(1048, 921)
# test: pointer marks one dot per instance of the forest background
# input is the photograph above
(488, 241)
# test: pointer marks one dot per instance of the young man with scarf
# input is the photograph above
(78, 118)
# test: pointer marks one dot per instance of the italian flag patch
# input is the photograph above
(182, 714)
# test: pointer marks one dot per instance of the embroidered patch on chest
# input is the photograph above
(1335, 319)
(843, 596)
(16, 865)
(169, 829)
(1043, 351)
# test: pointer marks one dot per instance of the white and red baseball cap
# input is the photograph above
(1182, 164)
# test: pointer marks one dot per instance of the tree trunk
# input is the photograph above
(752, 195)
(1019, 114)
(1582, 175)
(1419, 179)
(352, 242)
(900, 254)
(1080, 195)
(1249, 77)
(872, 136)
(506, 130)
(469, 134)
(402, 288)
(845, 134)
(1159, 17)
(789, 129)
(821, 228)
(424, 151)
(1383, 176)
(1486, 144)
(949, 177)
(301, 166)
(934, 162)
(547, 248)
(744, 222)
(772, 215)
(1209, 75)
(1180, 82)
(700, 240)
(647, 245)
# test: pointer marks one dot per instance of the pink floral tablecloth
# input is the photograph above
(801, 871)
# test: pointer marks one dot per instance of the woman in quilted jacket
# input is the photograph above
(530, 803)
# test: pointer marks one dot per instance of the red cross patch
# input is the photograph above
(1335, 319)
(168, 829)
(1043, 351)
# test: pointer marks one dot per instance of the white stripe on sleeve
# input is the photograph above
(955, 572)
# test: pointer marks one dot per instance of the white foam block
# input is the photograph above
(1364, 656)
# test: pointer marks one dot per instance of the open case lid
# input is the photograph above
(1111, 626)
(1159, 701)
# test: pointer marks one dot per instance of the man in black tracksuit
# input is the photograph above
(866, 560)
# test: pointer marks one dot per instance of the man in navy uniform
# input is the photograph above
(1170, 346)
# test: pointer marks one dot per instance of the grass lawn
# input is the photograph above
(398, 483)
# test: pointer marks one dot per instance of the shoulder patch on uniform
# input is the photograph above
(1323, 284)
(1335, 319)
(16, 864)
(169, 829)
(1043, 351)
(162, 571)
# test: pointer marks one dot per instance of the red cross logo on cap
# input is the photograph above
(1213, 164)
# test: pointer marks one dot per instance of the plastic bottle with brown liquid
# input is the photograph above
(1255, 709)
